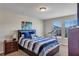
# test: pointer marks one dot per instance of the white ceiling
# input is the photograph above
(30, 9)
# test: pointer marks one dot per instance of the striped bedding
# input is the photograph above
(40, 46)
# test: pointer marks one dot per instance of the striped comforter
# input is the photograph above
(40, 46)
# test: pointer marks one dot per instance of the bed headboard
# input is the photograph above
(26, 33)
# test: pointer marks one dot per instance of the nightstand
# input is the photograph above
(10, 46)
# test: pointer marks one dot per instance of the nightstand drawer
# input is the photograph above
(10, 46)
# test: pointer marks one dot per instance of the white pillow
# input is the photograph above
(33, 36)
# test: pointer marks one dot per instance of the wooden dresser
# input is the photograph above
(10, 46)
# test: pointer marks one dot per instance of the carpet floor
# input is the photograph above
(63, 51)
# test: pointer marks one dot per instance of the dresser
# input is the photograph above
(10, 46)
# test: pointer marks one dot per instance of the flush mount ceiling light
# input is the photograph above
(42, 9)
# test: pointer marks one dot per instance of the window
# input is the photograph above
(69, 24)
(57, 27)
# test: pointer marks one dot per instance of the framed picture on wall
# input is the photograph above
(26, 25)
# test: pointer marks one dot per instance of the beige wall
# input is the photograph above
(9, 22)
(48, 26)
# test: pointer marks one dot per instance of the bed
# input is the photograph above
(37, 46)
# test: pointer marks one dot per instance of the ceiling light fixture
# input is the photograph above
(42, 9)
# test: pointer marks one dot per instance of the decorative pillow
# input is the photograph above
(26, 35)
(34, 36)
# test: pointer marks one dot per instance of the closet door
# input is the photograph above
(73, 42)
